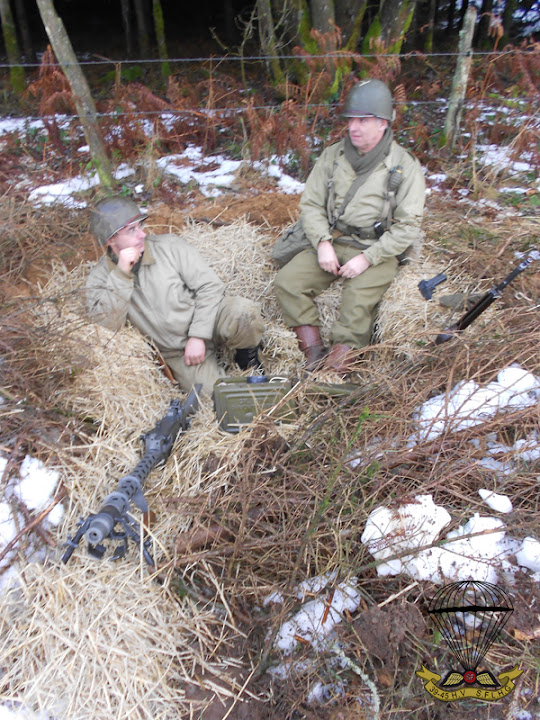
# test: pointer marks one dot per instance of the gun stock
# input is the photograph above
(485, 301)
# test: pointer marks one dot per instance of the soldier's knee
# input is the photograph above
(283, 282)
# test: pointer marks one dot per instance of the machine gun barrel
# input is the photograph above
(158, 445)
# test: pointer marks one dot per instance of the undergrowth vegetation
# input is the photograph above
(276, 510)
(222, 106)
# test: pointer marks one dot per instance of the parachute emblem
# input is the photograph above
(470, 615)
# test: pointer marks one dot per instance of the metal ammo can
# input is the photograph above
(237, 401)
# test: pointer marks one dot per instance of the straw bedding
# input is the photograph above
(101, 640)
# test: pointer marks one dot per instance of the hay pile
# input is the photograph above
(99, 640)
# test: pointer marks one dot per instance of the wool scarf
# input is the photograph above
(364, 163)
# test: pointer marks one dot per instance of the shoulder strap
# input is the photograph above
(333, 217)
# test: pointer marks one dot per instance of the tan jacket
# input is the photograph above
(174, 295)
(366, 206)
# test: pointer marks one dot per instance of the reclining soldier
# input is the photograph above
(361, 209)
(163, 286)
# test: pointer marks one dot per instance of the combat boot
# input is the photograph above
(310, 343)
(248, 358)
(340, 359)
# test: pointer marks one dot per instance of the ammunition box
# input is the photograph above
(238, 400)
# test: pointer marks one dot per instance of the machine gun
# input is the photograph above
(485, 301)
(158, 444)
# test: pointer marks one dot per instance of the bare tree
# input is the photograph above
(159, 25)
(461, 78)
(79, 87)
(16, 71)
(22, 22)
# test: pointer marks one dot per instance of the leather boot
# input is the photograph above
(340, 359)
(310, 343)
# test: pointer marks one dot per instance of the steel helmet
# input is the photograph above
(111, 214)
(367, 98)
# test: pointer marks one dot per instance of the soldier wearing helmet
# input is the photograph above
(163, 286)
(361, 211)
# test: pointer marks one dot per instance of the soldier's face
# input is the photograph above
(366, 132)
(131, 236)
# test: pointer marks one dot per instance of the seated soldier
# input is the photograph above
(163, 286)
(361, 209)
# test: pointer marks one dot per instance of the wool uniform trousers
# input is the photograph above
(239, 324)
(299, 282)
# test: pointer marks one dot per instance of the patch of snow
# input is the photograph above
(468, 404)
(499, 503)
(529, 554)
(317, 618)
(412, 526)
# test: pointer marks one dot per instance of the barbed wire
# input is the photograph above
(267, 58)
(169, 114)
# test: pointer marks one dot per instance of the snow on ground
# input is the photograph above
(34, 487)
(215, 172)
(468, 404)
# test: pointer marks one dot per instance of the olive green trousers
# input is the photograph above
(239, 324)
(299, 282)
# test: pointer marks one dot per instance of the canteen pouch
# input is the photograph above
(290, 244)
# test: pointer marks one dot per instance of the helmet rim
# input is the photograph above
(113, 214)
(369, 98)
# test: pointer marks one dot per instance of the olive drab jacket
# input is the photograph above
(365, 208)
(173, 296)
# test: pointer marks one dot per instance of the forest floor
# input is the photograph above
(291, 507)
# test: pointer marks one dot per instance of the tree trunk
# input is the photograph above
(351, 31)
(450, 18)
(22, 20)
(142, 29)
(79, 87)
(126, 23)
(268, 40)
(16, 72)
(463, 11)
(508, 21)
(390, 25)
(228, 10)
(428, 45)
(159, 25)
(461, 78)
(323, 15)
(482, 34)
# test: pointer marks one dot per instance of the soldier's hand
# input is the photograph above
(327, 257)
(128, 257)
(195, 351)
(354, 267)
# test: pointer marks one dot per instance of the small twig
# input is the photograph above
(237, 697)
(398, 594)
(36, 521)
